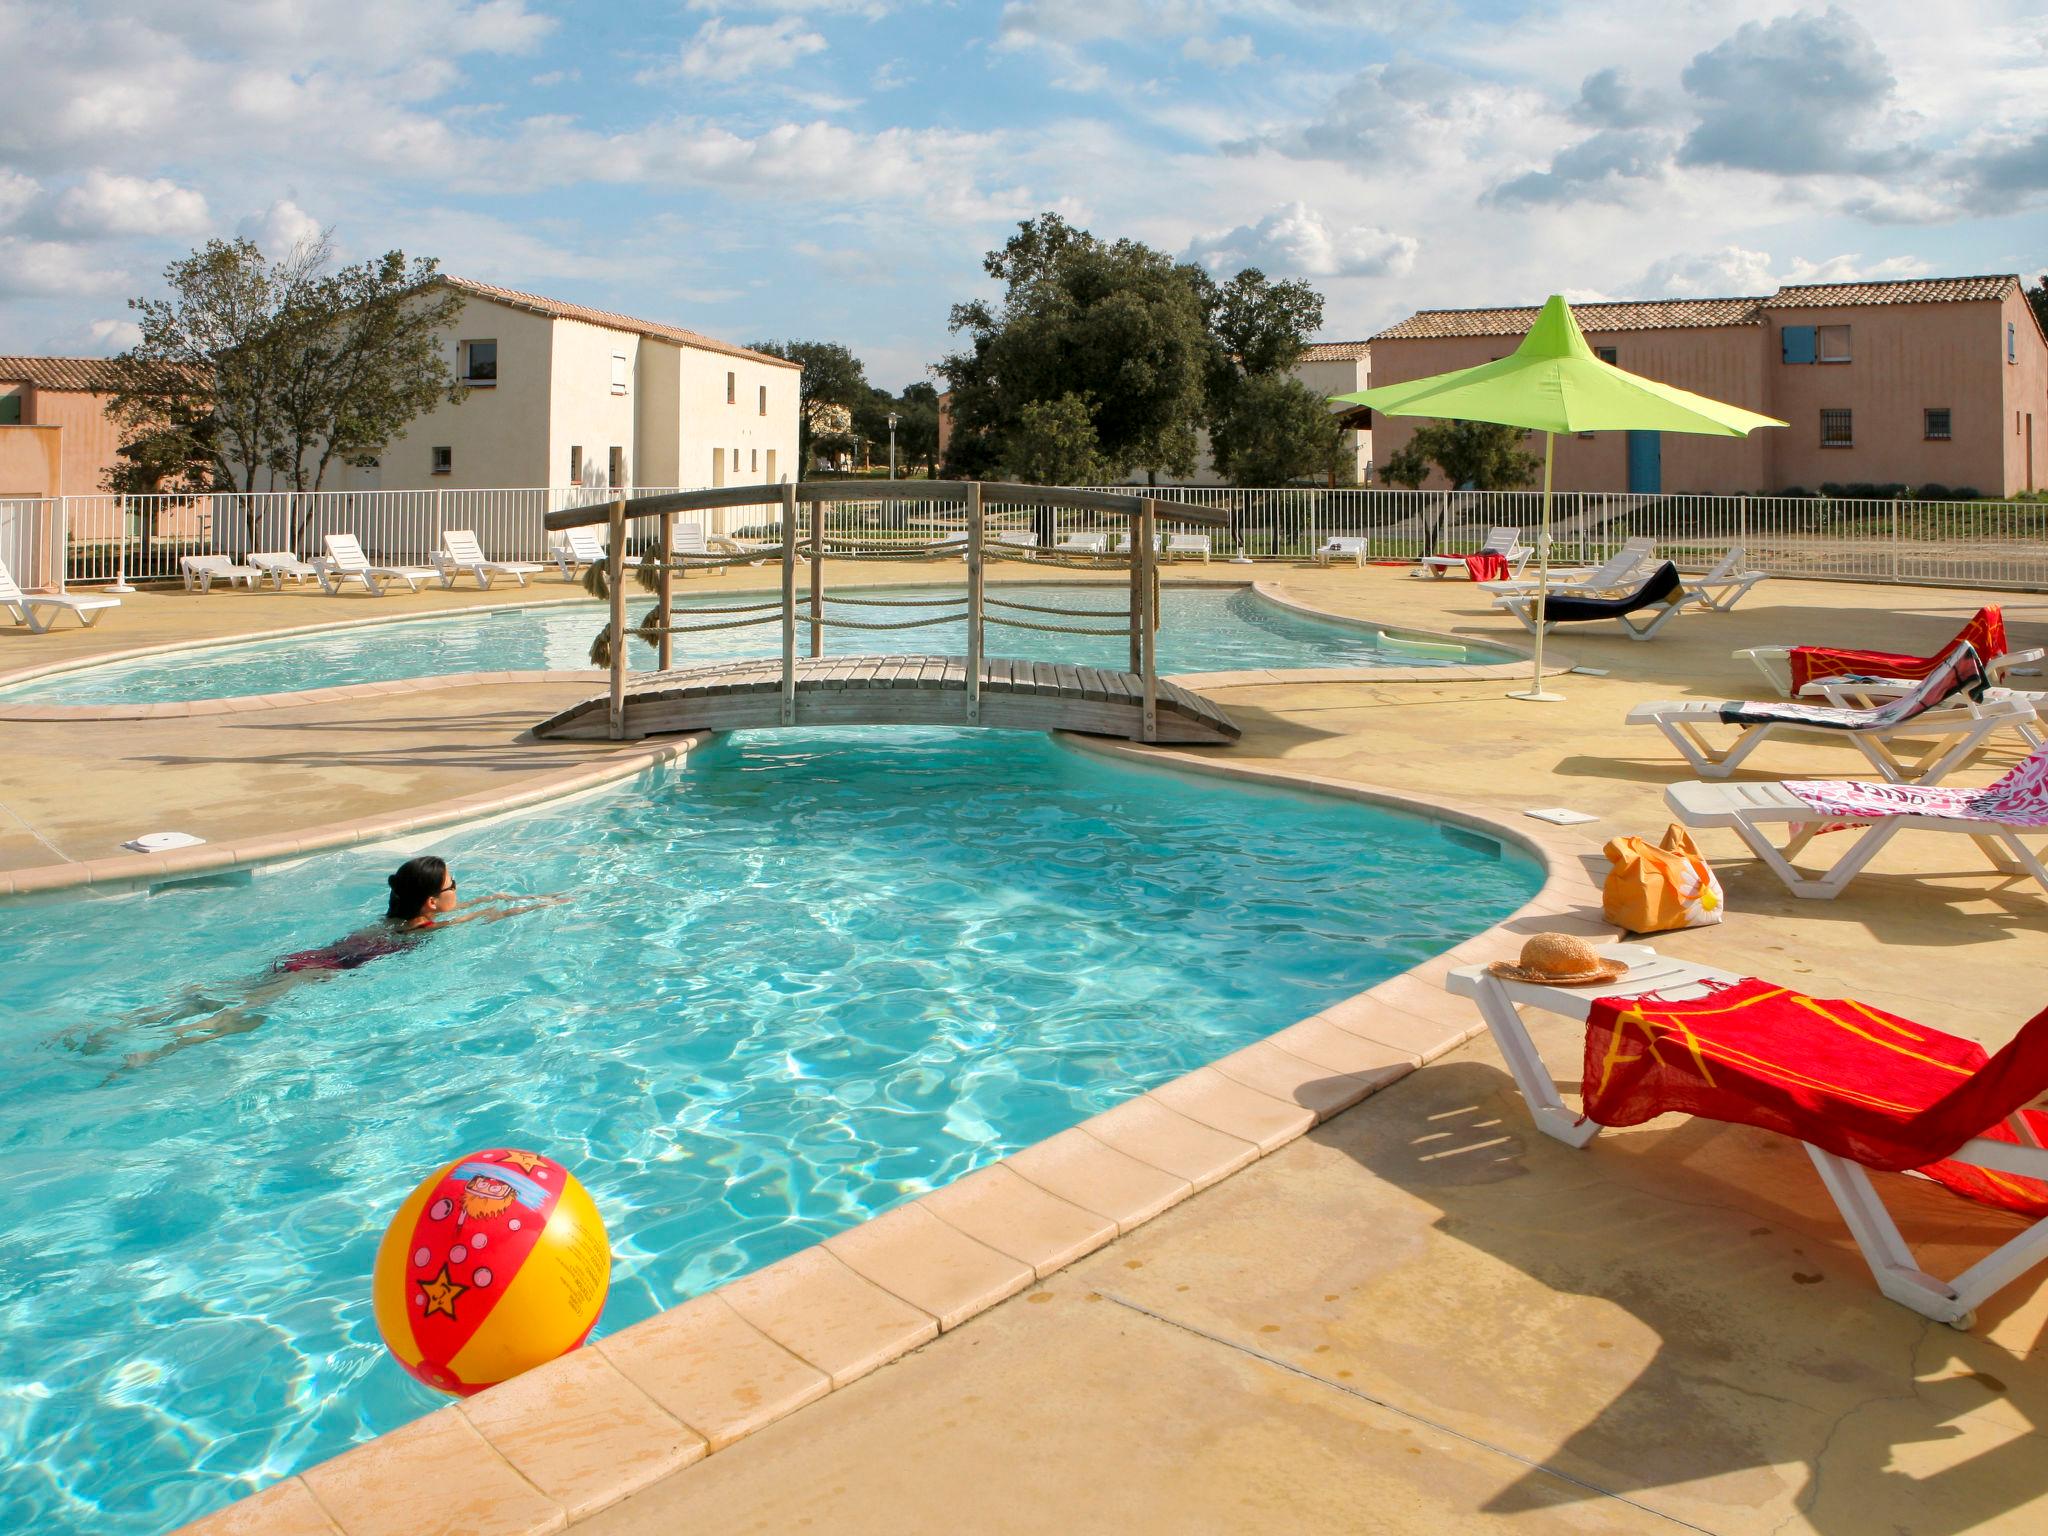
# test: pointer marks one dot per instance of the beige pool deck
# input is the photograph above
(1334, 1283)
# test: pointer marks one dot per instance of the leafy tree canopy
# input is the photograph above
(1478, 454)
(1113, 333)
(253, 370)
(1278, 431)
(2038, 297)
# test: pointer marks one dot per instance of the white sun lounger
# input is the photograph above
(1189, 544)
(277, 564)
(24, 606)
(1502, 541)
(200, 572)
(1660, 598)
(1726, 583)
(582, 546)
(346, 562)
(1620, 573)
(1342, 547)
(1015, 538)
(689, 540)
(1868, 816)
(1083, 544)
(1775, 662)
(1892, 1264)
(461, 555)
(1940, 705)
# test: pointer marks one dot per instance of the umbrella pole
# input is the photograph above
(1534, 693)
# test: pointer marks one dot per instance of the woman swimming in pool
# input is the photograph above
(423, 897)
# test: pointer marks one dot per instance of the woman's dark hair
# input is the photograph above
(417, 882)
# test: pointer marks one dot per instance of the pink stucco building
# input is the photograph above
(1933, 382)
(67, 443)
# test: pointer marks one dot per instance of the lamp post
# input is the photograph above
(892, 445)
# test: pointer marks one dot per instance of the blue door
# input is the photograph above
(1645, 463)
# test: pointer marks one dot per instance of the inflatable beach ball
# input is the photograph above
(496, 1264)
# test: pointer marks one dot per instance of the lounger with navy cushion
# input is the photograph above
(1671, 1035)
(1502, 541)
(1953, 705)
(40, 610)
(1621, 572)
(278, 564)
(1641, 613)
(581, 546)
(1998, 819)
(461, 555)
(346, 562)
(1725, 582)
(200, 572)
(1340, 546)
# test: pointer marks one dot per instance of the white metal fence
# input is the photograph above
(89, 539)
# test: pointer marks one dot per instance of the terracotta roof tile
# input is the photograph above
(86, 373)
(556, 309)
(1334, 351)
(1643, 315)
(1918, 290)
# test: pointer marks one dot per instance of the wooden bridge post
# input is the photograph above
(615, 583)
(817, 578)
(974, 602)
(1137, 612)
(668, 553)
(1146, 538)
(789, 603)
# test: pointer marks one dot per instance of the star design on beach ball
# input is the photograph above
(525, 1162)
(441, 1292)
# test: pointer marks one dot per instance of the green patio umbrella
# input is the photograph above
(1553, 383)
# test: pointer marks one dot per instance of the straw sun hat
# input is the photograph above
(1559, 960)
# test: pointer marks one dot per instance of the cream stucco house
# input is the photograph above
(563, 394)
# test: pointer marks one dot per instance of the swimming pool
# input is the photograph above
(805, 977)
(1201, 631)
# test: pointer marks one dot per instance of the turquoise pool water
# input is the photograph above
(1200, 632)
(801, 979)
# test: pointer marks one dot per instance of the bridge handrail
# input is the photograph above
(823, 492)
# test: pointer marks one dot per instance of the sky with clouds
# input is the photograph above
(836, 168)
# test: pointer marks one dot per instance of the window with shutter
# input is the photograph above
(1798, 343)
(1832, 343)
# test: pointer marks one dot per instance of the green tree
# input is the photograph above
(1263, 326)
(2038, 297)
(918, 431)
(254, 372)
(1476, 454)
(1116, 328)
(1278, 431)
(832, 376)
(1053, 443)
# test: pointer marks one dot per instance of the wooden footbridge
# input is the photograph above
(974, 689)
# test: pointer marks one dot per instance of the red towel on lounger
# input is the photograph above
(1487, 565)
(1861, 1083)
(1986, 631)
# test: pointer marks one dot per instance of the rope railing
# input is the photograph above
(1055, 629)
(1067, 613)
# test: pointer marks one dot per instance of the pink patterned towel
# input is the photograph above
(2020, 799)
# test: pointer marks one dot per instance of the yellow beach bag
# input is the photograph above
(1654, 888)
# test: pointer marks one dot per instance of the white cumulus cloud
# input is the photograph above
(723, 50)
(280, 228)
(114, 335)
(16, 193)
(1297, 240)
(51, 269)
(105, 203)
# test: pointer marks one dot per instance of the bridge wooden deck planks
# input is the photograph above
(905, 690)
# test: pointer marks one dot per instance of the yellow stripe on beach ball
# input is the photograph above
(551, 1303)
